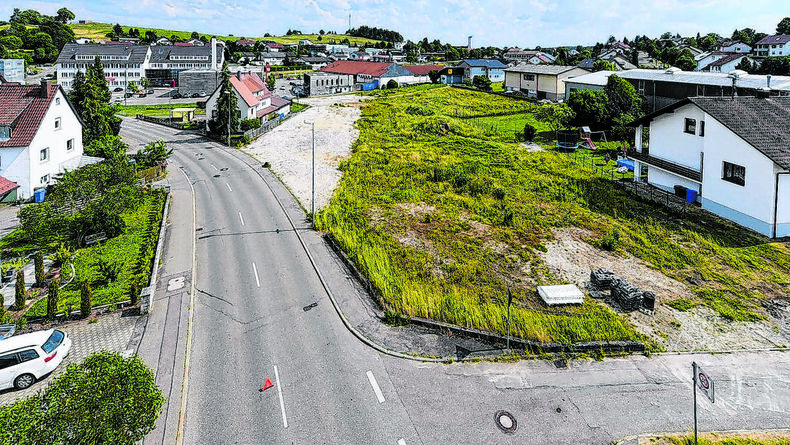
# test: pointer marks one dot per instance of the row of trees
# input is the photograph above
(35, 37)
(90, 97)
(376, 34)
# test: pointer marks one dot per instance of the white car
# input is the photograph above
(26, 358)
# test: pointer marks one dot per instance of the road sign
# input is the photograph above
(704, 382)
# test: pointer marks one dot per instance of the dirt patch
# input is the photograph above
(531, 146)
(570, 258)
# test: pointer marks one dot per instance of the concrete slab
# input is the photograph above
(561, 294)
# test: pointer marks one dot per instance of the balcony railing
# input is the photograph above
(645, 157)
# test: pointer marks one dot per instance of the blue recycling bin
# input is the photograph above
(39, 195)
(691, 195)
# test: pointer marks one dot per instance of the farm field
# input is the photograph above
(98, 31)
(442, 213)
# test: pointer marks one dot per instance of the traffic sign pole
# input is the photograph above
(694, 384)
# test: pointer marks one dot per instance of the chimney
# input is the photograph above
(469, 43)
(214, 53)
(44, 89)
(238, 75)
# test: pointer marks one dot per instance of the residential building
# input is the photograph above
(271, 58)
(167, 61)
(371, 75)
(13, 70)
(316, 62)
(541, 81)
(322, 84)
(40, 137)
(253, 99)
(274, 47)
(735, 47)
(727, 63)
(527, 56)
(491, 68)
(731, 151)
(420, 72)
(451, 75)
(706, 59)
(122, 63)
(773, 46)
(590, 81)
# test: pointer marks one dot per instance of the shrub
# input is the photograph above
(52, 299)
(134, 292)
(108, 271)
(61, 257)
(529, 132)
(38, 261)
(611, 240)
(392, 84)
(86, 299)
(20, 294)
(250, 124)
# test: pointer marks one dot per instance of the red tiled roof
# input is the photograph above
(23, 107)
(6, 186)
(183, 44)
(423, 70)
(277, 103)
(248, 84)
(374, 69)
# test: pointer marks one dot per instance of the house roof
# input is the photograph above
(374, 69)
(250, 87)
(132, 53)
(598, 78)
(753, 81)
(23, 107)
(277, 103)
(316, 59)
(163, 53)
(764, 123)
(6, 186)
(541, 69)
(271, 55)
(422, 70)
(777, 39)
(726, 59)
(487, 63)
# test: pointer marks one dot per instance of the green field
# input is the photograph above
(442, 214)
(98, 31)
(162, 110)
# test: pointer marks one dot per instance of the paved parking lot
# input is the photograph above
(111, 333)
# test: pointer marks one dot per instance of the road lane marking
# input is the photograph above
(255, 271)
(280, 394)
(402, 442)
(229, 187)
(241, 218)
(214, 167)
(375, 385)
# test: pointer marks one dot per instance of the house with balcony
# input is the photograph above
(40, 137)
(773, 46)
(732, 152)
(253, 99)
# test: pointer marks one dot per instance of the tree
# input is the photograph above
(783, 27)
(194, 35)
(589, 107)
(86, 299)
(686, 63)
(117, 31)
(105, 399)
(107, 147)
(623, 98)
(52, 298)
(556, 116)
(271, 82)
(226, 108)
(131, 86)
(155, 153)
(20, 294)
(146, 84)
(38, 265)
(451, 54)
(64, 15)
(392, 84)
(604, 65)
(434, 76)
(91, 98)
(134, 293)
(11, 43)
(482, 82)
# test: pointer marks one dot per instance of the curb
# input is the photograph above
(147, 293)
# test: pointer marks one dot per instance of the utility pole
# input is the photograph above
(228, 93)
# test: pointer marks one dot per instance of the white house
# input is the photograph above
(726, 64)
(773, 46)
(732, 151)
(40, 136)
(253, 99)
(736, 47)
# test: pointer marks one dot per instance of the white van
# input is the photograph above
(26, 358)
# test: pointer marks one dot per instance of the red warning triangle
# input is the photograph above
(267, 384)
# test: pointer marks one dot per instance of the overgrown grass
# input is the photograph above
(99, 31)
(440, 215)
(123, 251)
(297, 107)
(161, 110)
(689, 440)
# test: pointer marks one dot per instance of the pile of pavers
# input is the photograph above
(627, 296)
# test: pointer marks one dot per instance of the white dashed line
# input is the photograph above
(280, 393)
(229, 187)
(241, 218)
(255, 271)
(402, 442)
(375, 385)
(214, 167)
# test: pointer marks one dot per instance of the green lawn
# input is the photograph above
(441, 214)
(162, 110)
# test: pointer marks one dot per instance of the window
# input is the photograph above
(8, 360)
(57, 123)
(44, 154)
(28, 355)
(52, 342)
(734, 173)
(69, 144)
(57, 101)
(702, 128)
(45, 179)
(691, 126)
(529, 77)
(5, 132)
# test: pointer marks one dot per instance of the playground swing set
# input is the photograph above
(569, 139)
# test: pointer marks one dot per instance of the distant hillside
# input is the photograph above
(99, 31)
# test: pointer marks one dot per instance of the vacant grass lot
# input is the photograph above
(442, 215)
(162, 110)
(98, 31)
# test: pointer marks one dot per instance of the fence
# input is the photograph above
(265, 127)
(166, 121)
(150, 174)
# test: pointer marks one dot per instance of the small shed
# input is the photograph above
(561, 294)
(184, 114)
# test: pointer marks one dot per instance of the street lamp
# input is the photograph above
(312, 201)
(227, 93)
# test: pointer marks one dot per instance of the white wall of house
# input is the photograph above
(667, 181)
(669, 141)
(783, 205)
(737, 48)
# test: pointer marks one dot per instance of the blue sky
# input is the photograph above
(524, 23)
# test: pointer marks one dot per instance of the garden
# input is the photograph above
(443, 210)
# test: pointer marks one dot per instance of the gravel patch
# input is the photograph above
(288, 148)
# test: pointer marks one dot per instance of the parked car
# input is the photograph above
(195, 95)
(26, 358)
(151, 91)
(118, 90)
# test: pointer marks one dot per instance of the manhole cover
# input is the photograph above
(175, 284)
(505, 422)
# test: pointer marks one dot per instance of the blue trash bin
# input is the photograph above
(39, 195)
(691, 195)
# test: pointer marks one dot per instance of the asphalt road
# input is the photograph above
(253, 320)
